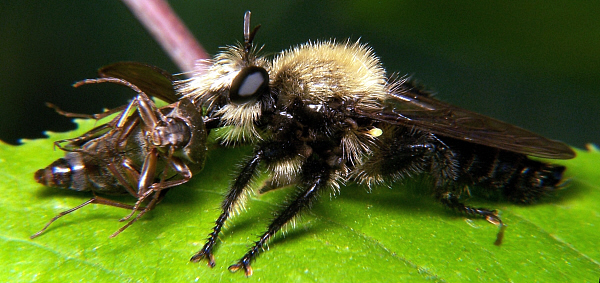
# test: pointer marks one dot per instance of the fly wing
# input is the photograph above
(411, 107)
(151, 80)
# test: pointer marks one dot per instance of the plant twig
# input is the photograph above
(168, 30)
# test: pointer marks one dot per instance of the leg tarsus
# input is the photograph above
(243, 263)
(500, 235)
(142, 212)
(491, 216)
(205, 253)
(95, 199)
(158, 196)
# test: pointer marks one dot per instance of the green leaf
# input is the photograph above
(397, 234)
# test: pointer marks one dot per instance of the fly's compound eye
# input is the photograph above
(249, 84)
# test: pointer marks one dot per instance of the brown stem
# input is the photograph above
(168, 30)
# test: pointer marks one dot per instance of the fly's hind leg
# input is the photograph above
(452, 201)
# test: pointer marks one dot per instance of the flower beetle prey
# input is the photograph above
(325, 113)
(143, 151)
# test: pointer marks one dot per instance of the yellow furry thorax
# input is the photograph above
(316, 72)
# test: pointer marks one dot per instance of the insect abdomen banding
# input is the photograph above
(143, 151)
(58, 174)
(79, 171)
(518, 178)
(453, 164)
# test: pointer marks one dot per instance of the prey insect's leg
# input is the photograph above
(85, 116)
(118, 122)
(95, 199)
(143, 193)
(130, 171)
(228, 205)
(74, 144)
(303, 200)
(158, 190)
(451, 201)
(144, 182)
(158, 196)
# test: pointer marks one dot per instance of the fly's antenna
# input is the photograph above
(248, 35)
(247, 28)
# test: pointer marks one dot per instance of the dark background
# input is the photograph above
(534, 64)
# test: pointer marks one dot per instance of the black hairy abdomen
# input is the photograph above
(519, 178)
(454, 164)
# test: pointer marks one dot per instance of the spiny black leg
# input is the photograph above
(231, 200)
(302, 201)
(451, 201)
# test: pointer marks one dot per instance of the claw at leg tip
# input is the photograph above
(238, 266)
(200, 256)
(500, 235)
(211, 261)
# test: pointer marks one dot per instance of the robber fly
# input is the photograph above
(143, 153)
(325, 112)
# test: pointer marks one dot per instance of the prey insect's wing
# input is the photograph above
(411, 107)
(153, 81)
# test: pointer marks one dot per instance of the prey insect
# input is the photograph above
(324, 113)
(144, 151)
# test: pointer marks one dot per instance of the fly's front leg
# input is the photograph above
(317, 181)
(231, 200)
(452, 201)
